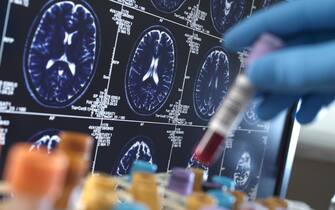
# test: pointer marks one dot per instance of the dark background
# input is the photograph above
(23, 127)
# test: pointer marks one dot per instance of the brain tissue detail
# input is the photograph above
(167, 6)
(243, 170)
(211, 84)
(138, 148)
(250, 115)
(151, 71)
(61, 54)
(225, 13)
(48, 139)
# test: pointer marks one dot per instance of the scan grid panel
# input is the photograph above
(142, 77)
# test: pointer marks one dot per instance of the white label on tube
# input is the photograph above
(233, 105)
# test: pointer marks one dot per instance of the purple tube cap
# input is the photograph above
(265, 44)
(181, 181)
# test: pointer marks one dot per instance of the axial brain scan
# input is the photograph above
(250, 115)
(225, 13)
(61, 53)
(48, 139)
(211, 84)
(151, 71)
(138, 148)
(167, 6)
(243, 170)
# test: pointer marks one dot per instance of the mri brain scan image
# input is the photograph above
(61, 53)
(138, 148)
(151, 71)
(243, 161)
(225, 13)
(167, 6)
(48, 139)
(211, 84)
(250, 115)
(243, 170)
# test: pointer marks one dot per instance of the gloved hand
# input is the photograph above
(304, 69)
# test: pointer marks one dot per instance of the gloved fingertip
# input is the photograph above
(253, 74)
(264, 114)
(308, 112)
(263, 75)
(304, 119)
(231, 41)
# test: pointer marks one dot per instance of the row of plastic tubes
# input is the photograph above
(36, 180)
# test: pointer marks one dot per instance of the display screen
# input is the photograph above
(142, 77)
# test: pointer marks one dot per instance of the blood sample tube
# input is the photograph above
(224, 199)
(77, 148)
(142, 166)
(198, 179)
(229, 113)
(144, 190)
(227, 183)
(35, 178)
(181, 181)
(99, 193)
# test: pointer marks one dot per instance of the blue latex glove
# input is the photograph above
(305, 69)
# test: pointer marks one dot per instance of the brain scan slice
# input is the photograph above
(61, 53)
(250, 115)
(211, 84)
(225, 13)
(242, 170)
(167, 6)
(48, 139)
(151, 71)
(138, 148)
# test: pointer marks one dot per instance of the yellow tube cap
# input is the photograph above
(99, 192)
(144, 190)
(199, 175)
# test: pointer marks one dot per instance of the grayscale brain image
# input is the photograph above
(47, 139)
(212, 83)
(244, 162)
(226, 13)
(61, 53)
(151, 71)
(250, 115)
(167, 6)
(242, 170)
(143, 78)
(138, 148)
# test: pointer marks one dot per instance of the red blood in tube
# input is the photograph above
(208, 154)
